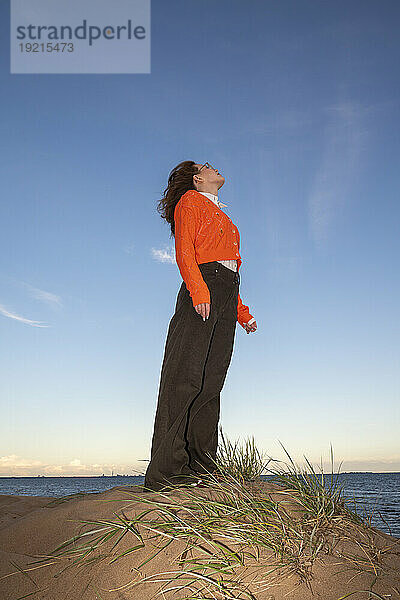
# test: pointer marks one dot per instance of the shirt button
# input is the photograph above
(235, 243)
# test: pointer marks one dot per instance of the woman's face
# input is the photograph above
(208, 175)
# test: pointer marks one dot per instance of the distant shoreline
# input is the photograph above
(120, 475)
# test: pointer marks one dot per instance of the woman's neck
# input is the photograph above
(210, 190)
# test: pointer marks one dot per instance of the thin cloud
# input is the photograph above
(13, 461)
(129, 248)
(47, 297)
(11, 315)
(382, 465)
(339, 167)
(13, 464)
(167, 255)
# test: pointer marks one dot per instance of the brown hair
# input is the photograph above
(180, 180)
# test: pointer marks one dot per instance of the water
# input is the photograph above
(378, 493)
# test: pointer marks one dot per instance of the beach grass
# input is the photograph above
(240, 537)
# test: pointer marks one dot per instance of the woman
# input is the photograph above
(201, 333)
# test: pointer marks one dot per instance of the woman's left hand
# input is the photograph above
(251, 327)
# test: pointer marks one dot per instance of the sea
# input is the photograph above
(375, 496)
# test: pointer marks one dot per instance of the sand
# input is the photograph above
(31, 527)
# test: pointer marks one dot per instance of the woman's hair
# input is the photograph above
(180, 180)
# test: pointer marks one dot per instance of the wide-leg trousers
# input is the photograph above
(197, 355)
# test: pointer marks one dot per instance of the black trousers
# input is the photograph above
(197, 355)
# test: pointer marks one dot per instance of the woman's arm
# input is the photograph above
(243, 313)
(185, 233)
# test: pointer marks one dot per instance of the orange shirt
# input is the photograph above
(204, 233)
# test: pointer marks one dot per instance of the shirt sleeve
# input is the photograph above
(185, 254)
(243, 313)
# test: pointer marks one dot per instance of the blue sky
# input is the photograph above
(297, 104)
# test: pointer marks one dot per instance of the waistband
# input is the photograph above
(222, 271)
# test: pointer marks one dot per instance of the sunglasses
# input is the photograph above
(208, 166)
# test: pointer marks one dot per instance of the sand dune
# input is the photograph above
(31, 527)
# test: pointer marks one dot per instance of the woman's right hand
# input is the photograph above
(203, 310)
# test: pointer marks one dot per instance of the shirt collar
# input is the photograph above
(214, 198)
